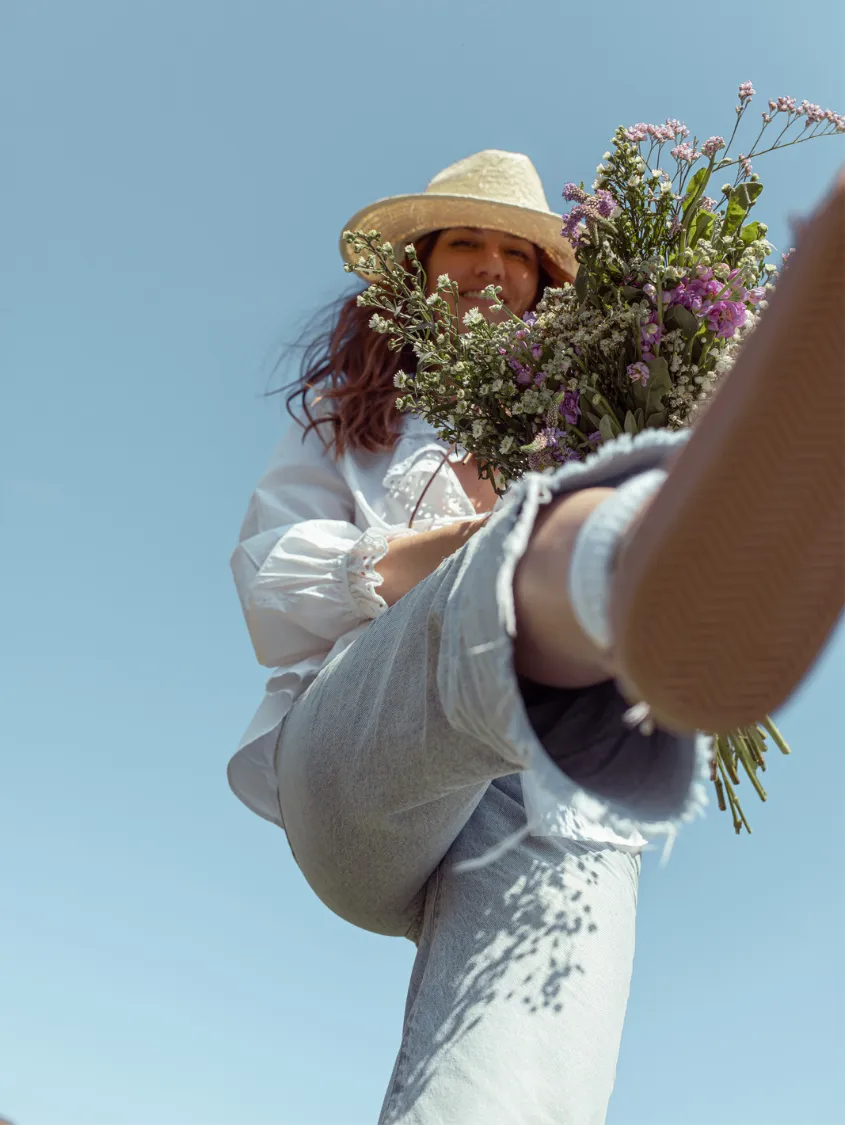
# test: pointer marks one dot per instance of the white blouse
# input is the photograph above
(305, 569)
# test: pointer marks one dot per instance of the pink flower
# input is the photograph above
(661, 133)
(712, 145)
(813, 113)
(636, 133)
(724, 317)
(638, 372)
(685, 152)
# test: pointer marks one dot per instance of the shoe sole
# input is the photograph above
(735, 574)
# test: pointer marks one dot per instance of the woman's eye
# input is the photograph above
(519, 254)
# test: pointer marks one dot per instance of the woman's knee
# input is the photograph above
(344, 861)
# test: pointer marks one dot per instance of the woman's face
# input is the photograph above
(474, 259)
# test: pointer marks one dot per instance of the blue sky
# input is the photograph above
(176, 175)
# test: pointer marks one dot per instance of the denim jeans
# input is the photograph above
(404, 758)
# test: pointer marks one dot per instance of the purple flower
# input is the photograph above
(574, 194)
(565, 454)
(570, 408)
(638, 372)
(529, 318)
(572, 228)
(605, 203)
(746, 91)
(746, 164)
(523, 372)
(536, 350)
(595, 437)
(540, 378)
(706, 203)
(756, 295)
(713, 145)
(549, 438)
(553, 440)
(784, 105)
(651, 333)
(724, 317)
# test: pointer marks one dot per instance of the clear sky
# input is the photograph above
(175, 176)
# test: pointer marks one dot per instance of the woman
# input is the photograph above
(441, 679)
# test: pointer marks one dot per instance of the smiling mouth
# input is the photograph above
(475, 295)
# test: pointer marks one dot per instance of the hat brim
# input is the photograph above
(405, 218)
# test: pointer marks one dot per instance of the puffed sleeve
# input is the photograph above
(306, 574)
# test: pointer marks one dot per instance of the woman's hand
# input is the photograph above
(413, 557)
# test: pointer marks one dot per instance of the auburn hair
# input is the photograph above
(349, 366)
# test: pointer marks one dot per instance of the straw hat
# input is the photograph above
(492, 190)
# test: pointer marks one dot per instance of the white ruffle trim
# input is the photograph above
(362, 574)
(362, 558)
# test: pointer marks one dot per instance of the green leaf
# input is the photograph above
(631, 423)
(748, 193)
(609, 428)
(658, 378)
(631, 293)
(639, 417)
(679, 317)
(750, 233)
(734, 215)
(695, 188)
(656, 421)
(593, 419)
(658, 386)
(703, 228)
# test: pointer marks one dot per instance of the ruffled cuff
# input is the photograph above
(362, 576)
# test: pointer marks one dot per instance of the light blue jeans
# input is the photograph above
(403, 759)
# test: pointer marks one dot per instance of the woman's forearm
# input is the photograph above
(413, 557)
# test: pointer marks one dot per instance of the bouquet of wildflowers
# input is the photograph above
(672, 277)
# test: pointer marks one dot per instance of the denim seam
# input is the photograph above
(429, 930)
